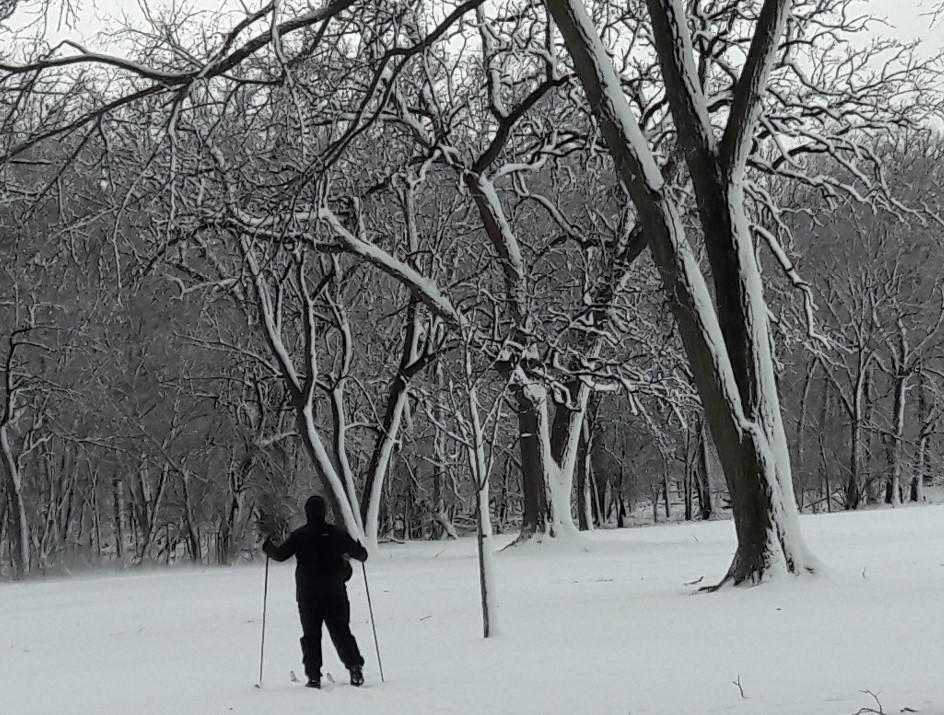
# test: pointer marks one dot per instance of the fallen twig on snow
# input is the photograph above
(878, 703)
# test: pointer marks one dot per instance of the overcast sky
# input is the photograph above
(903, 19)
(907, 18)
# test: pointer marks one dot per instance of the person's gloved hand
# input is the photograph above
(268, 528)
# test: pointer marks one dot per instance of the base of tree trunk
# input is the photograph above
(753, 570)
(527, 535)
(539, 534)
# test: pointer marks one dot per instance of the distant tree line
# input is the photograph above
(520, 266)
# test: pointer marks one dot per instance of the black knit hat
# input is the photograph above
(315, 510)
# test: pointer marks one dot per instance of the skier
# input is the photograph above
(321, 550)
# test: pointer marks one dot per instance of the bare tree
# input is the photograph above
(268, 162)
(16, 403)
(729, 350)
(726, 335)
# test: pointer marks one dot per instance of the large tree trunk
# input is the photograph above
(534, 495)
(728, 345)
(756, 459)
(584, 478)
(744, 417)
(558, 453)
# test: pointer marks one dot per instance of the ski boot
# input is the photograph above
(357, 676)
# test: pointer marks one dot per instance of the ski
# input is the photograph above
(328, 680)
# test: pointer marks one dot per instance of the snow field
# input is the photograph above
(603, 625)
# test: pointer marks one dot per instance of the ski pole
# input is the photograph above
(265, 598)
(373, 625)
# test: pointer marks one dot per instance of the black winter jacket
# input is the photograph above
(320, 550)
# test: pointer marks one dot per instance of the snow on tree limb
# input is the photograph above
(674, 44)
(422, 287)
(595, 70)
(746, 105)
(225, 60)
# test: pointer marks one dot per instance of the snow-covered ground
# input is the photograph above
(608, 627)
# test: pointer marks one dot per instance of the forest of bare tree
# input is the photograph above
(518, 266)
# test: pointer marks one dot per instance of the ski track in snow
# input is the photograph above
(602, 624)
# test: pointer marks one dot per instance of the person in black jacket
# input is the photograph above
(321, 551)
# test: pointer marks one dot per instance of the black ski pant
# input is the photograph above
(335, 613)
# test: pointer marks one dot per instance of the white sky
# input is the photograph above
(907, 18)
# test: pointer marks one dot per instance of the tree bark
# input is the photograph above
(898, 438)
(584, 467)
(20, 533)
(534, 495)
(190, 523)
(688, 477)
(583, 498)
(4, 509)
(854, 484)
(917, 484)
(119, 512)
(665, 493)
(728, 346)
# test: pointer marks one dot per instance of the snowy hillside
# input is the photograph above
(614, 629)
